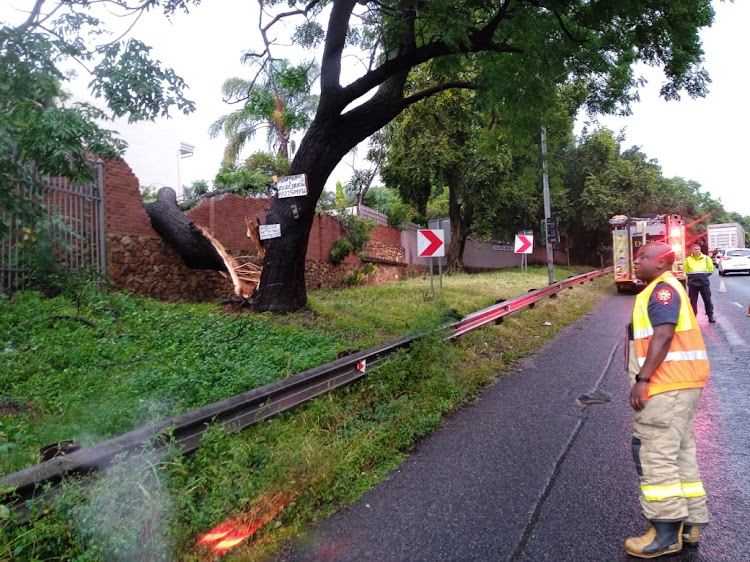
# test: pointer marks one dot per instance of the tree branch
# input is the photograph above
(330, 67)
(427, 92)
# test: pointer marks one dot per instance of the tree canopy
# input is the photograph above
(515, 52)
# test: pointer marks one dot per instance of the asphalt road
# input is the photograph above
(531, 473)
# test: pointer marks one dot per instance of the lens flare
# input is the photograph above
(223, 538)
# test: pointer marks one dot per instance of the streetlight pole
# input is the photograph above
(547, 209)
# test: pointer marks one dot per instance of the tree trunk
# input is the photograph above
(454, 257)
(282, 288)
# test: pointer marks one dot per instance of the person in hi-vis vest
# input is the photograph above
(699, 267)
(668, 368)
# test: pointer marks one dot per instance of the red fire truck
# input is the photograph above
(630, 233)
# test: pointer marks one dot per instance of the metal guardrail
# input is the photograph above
(184, 432)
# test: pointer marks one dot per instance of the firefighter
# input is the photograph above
(668, 367)
(698, 267)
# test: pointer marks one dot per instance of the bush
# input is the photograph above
(341, 248)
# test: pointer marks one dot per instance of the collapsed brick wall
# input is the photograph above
(140, 261)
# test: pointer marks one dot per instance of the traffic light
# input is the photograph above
(553, 233)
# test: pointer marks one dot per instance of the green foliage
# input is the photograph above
(149, 192)
(196, 189)
(388, 201)
(313, 460)
(254, 176)
(341, 249)
(341, 200)
(357, 236)
(87, 366)
(280, 103)
(360, 274)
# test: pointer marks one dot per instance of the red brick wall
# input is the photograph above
(225, 216)
(139, 260)
(123, 207)
(386, 235)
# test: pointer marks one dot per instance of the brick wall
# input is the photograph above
(123, 208)
(139, 260)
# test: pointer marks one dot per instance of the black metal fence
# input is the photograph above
(74, 219)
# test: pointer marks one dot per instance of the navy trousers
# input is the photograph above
(705, 293)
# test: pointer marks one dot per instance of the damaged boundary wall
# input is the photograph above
(140, 261)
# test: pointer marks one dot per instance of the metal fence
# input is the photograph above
(368, 213)
(74, 216)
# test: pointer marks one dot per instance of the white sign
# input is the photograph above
(431, 243)
(292, 186)
(267, 231)
(524, 244)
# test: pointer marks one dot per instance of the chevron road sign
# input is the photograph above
(524, 244)
(431, 243)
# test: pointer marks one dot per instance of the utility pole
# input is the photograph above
(547, 209)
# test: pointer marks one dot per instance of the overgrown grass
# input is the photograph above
(142, 360)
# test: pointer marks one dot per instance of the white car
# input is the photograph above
(735, 259)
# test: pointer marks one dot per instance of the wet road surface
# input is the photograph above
(530, 472)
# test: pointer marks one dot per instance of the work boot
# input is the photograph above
(691, 535)
(662, 537)
(711, 319)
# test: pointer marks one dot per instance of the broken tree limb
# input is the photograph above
(198, 247)
(182, 233)
(245, 276)
(253, 233)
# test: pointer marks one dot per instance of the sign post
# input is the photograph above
(524, 245)
(431, 244)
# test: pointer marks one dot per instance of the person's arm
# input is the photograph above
(709, 266)
(657, 351)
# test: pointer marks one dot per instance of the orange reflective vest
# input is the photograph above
(686, 364)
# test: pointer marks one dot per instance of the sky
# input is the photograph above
(700, 140)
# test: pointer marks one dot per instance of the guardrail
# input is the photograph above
(184, 432)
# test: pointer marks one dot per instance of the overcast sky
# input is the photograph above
(701, 140)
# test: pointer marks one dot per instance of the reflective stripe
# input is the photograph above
(693, 489)
(656, 493)
(644, 333)
(680, 356)
(683, 490)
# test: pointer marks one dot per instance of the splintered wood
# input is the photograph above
(245, 275)
(254, 235)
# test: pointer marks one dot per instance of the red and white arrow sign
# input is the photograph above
(430, 243)
(524, 244)
(362, 365)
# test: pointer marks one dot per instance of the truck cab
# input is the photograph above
(630, 233)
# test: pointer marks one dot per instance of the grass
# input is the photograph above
(92, 365)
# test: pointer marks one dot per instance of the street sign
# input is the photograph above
(430, 243)
(524, 244)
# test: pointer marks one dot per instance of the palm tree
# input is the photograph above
(278, 100)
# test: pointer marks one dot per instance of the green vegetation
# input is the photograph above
(91, 365)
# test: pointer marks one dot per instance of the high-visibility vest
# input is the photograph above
(686, 364)
(702, 264)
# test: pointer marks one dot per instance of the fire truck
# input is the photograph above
(630, 233)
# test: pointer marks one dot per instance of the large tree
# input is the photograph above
(521, 48)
